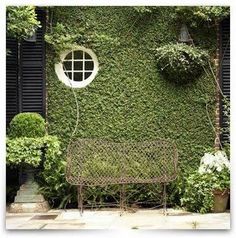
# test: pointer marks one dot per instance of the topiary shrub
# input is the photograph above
(180, 62)
(27, 124)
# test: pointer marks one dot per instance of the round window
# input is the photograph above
(77, 68)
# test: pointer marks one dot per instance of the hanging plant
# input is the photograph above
(180, 62)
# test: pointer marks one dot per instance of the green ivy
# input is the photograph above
(62, 37)
(129, 99)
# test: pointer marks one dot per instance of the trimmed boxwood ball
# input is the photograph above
(27, 124)
(180, 62)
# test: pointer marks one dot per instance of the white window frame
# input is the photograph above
(77, 84)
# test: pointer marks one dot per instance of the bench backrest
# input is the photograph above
(102, 162)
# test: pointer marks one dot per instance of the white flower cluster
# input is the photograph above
(211, 162)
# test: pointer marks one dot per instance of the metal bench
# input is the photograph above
(97, 162)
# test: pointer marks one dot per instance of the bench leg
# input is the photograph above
(122, 198)
(164, 200)
(80, 199)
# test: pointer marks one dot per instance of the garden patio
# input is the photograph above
(118, 106)
(115, 219)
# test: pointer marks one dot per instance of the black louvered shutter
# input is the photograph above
(25, 73)
(11, 79)
(225, 72)
(32, 71)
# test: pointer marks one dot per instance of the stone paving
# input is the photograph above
(116, 219)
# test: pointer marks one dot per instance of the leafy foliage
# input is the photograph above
(128, 99)
(30, 151)
(198, 196)
(52, 177)
(181, 62)
(140, 164)
(143, 9)
(63, 38)
(24, 150)
(210, 13)
(213, 174)
(221, 181)
(135, 194)
(193, 15)
(226, 113)
(21, 21)
(27, 124)
(196, 15)
(43, 152)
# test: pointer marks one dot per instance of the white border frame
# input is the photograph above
(76, 84)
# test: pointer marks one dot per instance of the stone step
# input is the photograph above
(27, 192)
(29, 198)
(29, 207)
(29, 186)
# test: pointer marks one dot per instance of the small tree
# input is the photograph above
(21, 21)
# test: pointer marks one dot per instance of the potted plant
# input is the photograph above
(206, 189)
(29, 147)
(216, 168)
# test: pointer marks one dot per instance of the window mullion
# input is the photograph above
(75, 73)
(72, 66)
(83, 66)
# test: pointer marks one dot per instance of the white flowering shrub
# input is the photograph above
(217, 167)
(211, 163)
(212, 174)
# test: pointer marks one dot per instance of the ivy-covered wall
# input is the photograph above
(129, 99)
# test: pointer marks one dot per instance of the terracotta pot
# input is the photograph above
(220, 200)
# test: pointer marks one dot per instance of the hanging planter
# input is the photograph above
(181, 62)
